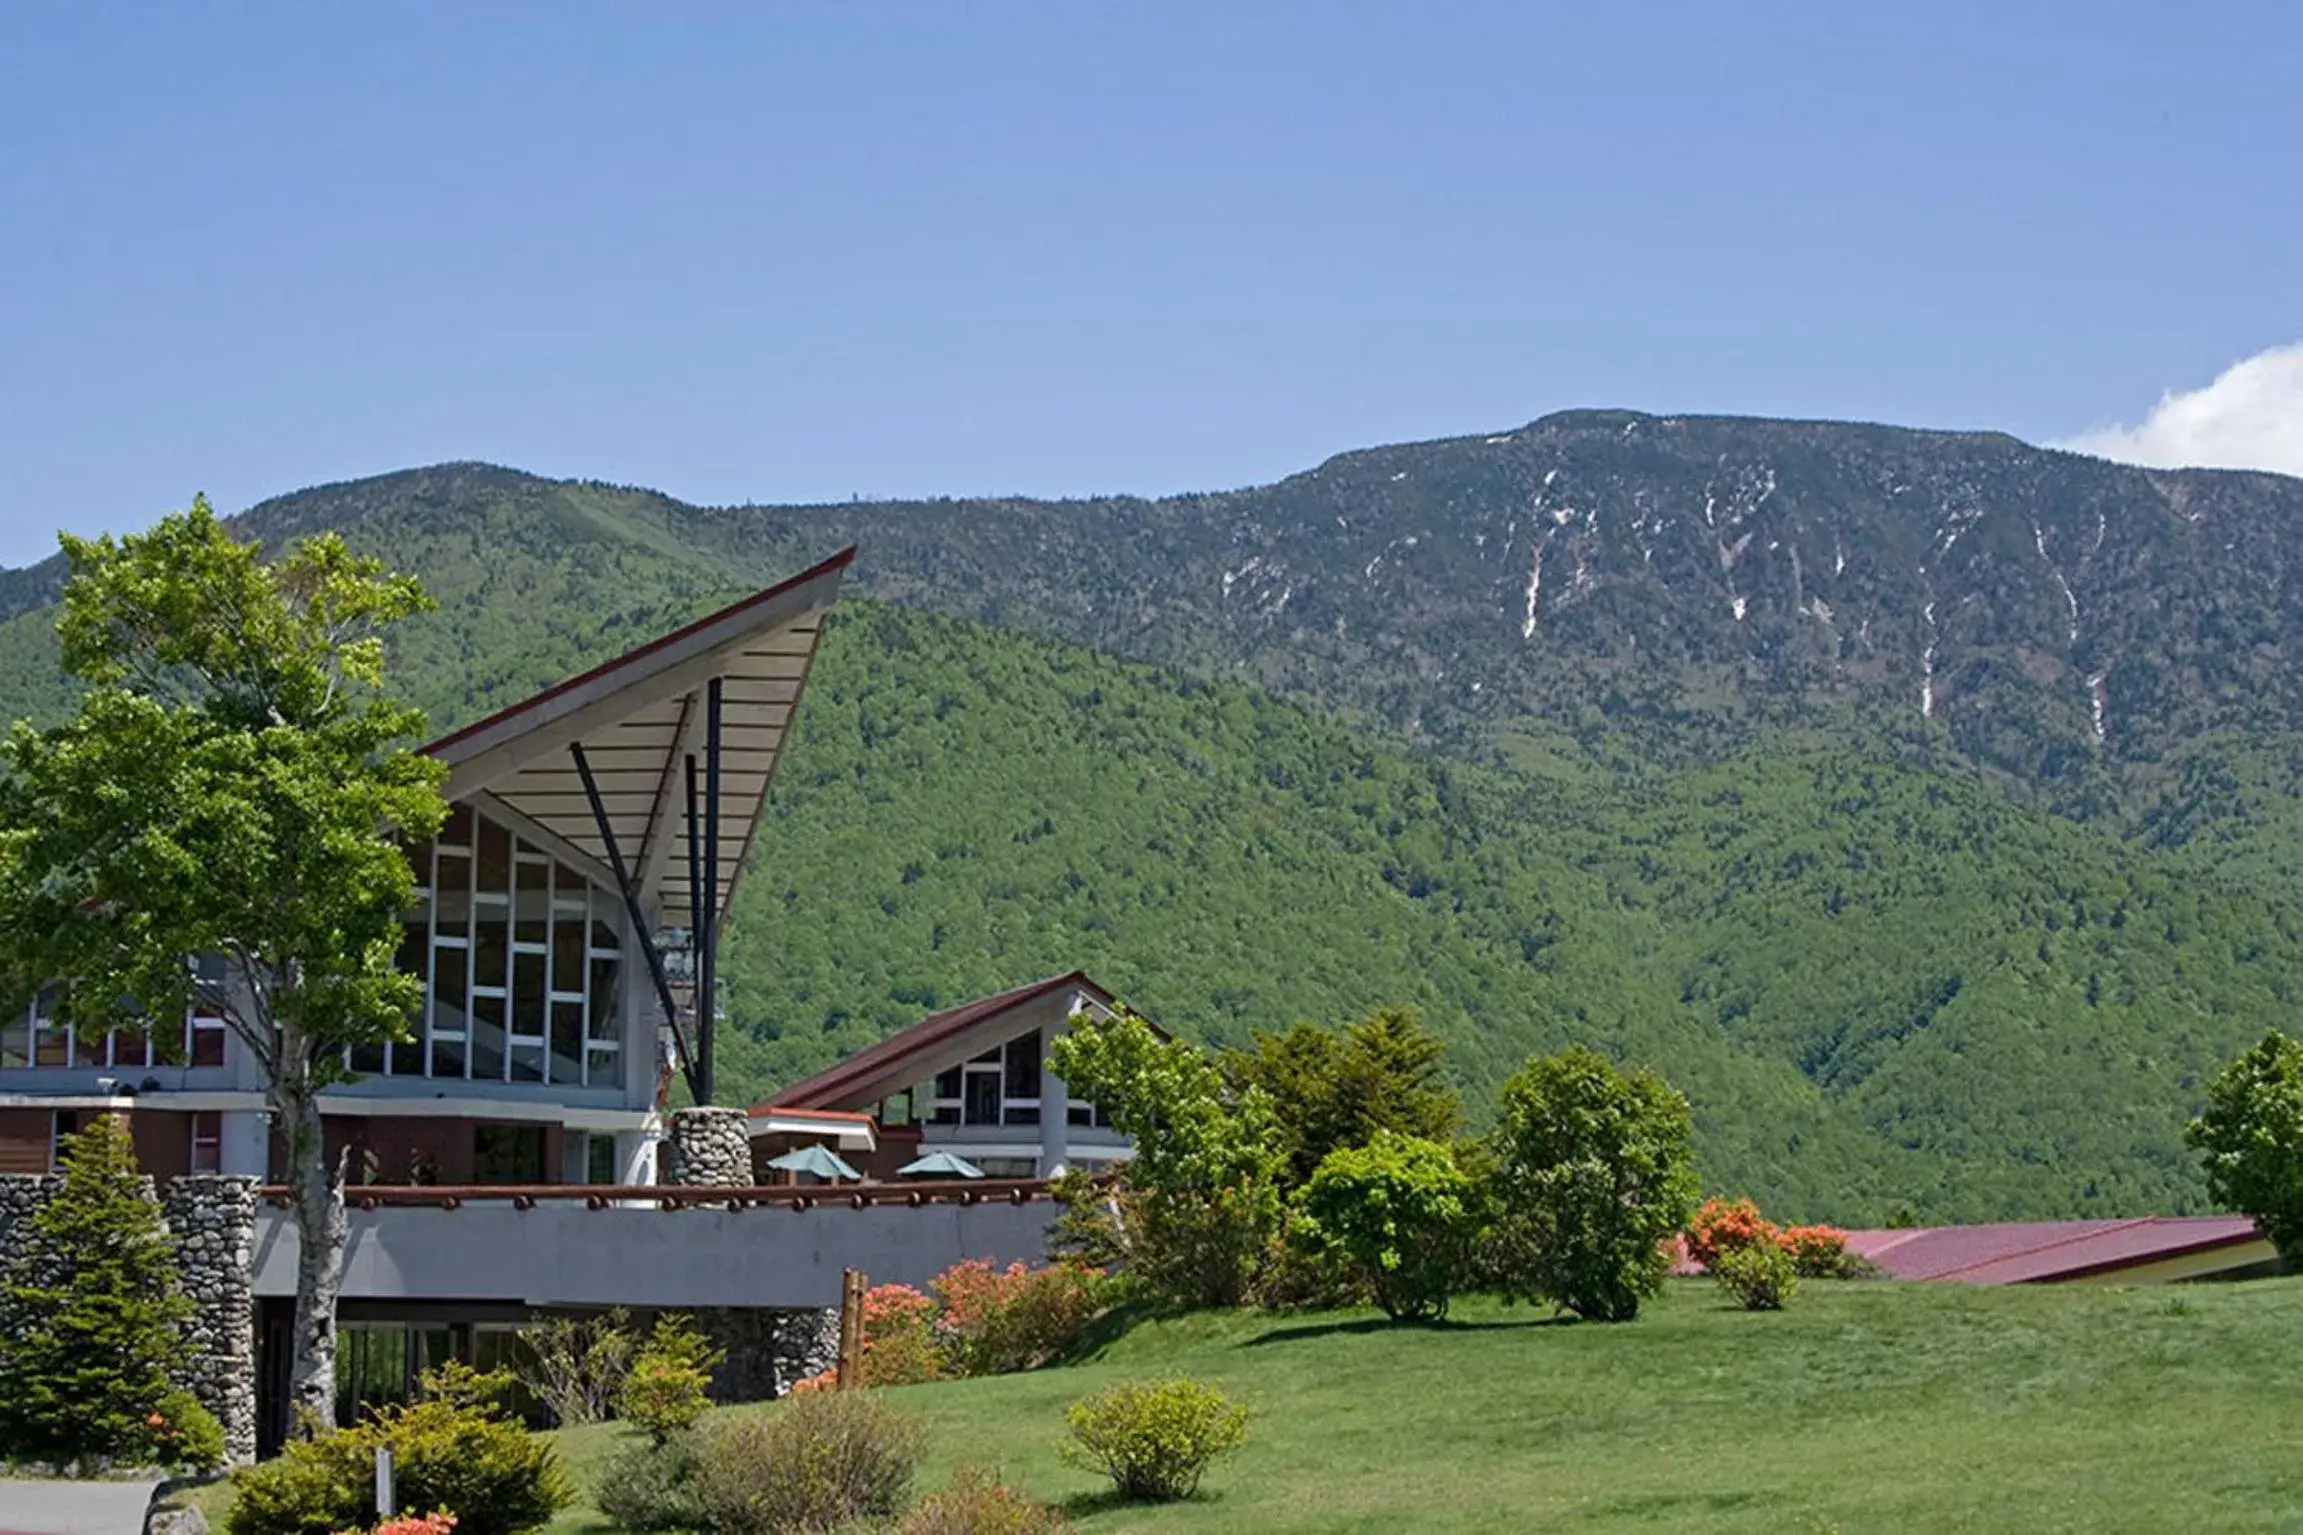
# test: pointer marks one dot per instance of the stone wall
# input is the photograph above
(711, 1146)
(214, 1218)
(768, 1348)
(214, 1221)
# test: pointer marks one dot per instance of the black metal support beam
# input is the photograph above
(647, 939)
(708, 950)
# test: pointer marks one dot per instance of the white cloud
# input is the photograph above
(2250, 417)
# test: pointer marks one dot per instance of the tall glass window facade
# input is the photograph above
(521, 957)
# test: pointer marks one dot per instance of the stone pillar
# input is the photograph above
(807, 1342)
(214, 1219)
(711, 1146)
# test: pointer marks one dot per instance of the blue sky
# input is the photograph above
(779, 252)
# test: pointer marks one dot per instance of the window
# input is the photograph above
(945, 1104)
(62, 1127)
(521, 959)
(16, 1040)
(507, 1153)
(208, 1142)
(599, 1158)
(204, 1029)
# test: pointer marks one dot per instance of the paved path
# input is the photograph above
(73, 1508)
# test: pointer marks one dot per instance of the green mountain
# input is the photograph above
(1621, 729)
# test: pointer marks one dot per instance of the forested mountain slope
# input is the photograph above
(1687, 816)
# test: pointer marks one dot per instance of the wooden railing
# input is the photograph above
(675, 1196)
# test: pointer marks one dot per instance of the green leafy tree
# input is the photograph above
(1336, 1088)
(2251, 1139)
(235, 783)
(1402, 1214)
(1205, 1179)
(94, 1316)
(1595, 1172)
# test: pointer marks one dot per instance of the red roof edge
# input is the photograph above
(2156, 1255)
(839, 561)
(931, 1030)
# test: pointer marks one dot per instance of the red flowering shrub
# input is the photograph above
(1818, 1252)
(900, 1347)
(1721, 1225)
(438, 1522)
(998, 1320)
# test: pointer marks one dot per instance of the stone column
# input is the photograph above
(711, 1146)
(214, 1219)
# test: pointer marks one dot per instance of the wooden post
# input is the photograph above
(851, 1366)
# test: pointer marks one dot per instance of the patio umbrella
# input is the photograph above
(815, 1159)
(940, 1164)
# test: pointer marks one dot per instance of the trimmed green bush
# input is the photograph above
(977, 1502)
(819, 1460)
(668, 1386)
(450, 1449)
(1400, 1214)
(1154, 1439)
(1761, 1276)
(650, 1487)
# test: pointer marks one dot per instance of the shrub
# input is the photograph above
(576, 1365)
(819, 1460)
(977, 1502)
(1154, 1439)
(186, 1435)
(1401, 1214)
(1761, 1275)
(2250, 1139)
(996, 1321)
(451, 1449)
(1819, 1252)
(93, 1316)
(668, 1386)
(900, 1347)
(649, 1487)
(438, 1522)
(1720, 1224)
(1595, 1172)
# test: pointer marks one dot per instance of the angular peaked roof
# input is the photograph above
(638, 718)
(902, 1057)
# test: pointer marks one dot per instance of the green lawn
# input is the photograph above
(1866, 1407)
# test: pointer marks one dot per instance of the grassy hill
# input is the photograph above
(1863, 1407)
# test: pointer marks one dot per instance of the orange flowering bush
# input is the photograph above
(1722, 1225)
(438, 1522)
(1818, 1252)
(822, 1380)
(900, 1346)
(995, 1321)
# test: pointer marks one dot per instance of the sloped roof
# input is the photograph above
(637, 718)
(890, 1056)
(2030, 1252)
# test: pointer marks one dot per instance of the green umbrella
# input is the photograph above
(815, 1159)
(940, 1164)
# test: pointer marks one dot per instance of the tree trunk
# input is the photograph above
(316, 1193)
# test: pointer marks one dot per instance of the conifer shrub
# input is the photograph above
(977, 1502)
(668, 1386)
(94, 1324)
(816, 1461)
(452, 1448)
(1154, 1439)
(1760, 1275)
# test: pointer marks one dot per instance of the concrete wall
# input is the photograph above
(566, 1255)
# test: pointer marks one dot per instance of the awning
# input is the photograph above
(638, 719)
